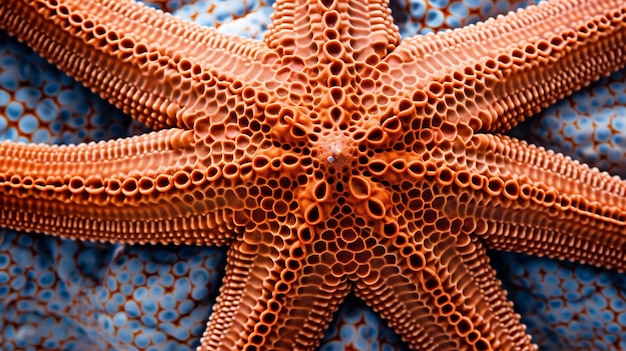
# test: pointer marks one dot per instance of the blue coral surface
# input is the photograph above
(65, 295)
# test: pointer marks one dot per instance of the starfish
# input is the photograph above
(332, 157)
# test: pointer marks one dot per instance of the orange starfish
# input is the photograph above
(331, 157)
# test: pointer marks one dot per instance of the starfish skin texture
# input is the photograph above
(332, 157)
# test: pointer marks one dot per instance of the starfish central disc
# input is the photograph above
(335, 148)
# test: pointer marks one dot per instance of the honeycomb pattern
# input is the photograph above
(590, 126)
(41, 105)
(356, 185)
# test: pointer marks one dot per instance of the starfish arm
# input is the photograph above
(530, 200)
(266, 303)
(153, 66)
(316, 31)
(494, 74)
(439, 292)
(133, 190)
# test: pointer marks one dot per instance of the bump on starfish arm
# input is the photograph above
(530, 200)
(143, 189)
(115, 48)
(266, 302)
(167, 6)
(302, 28)
(508, 68)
